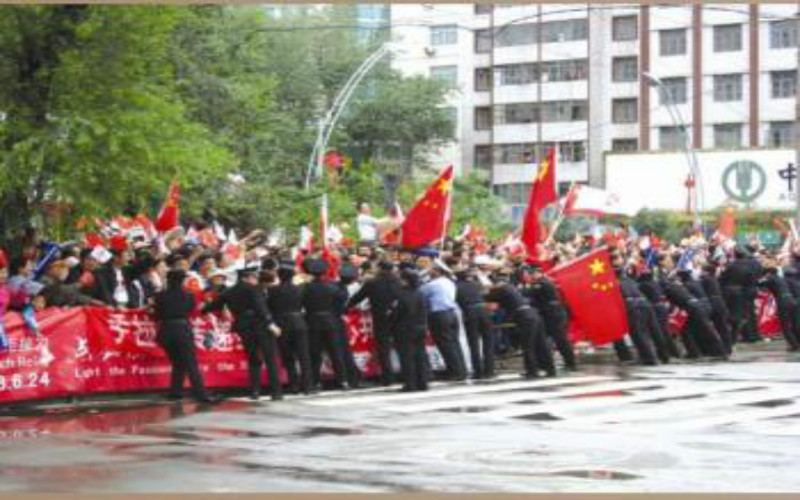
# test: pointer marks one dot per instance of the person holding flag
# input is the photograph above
(543, 193)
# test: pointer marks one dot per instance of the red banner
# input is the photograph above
(90, 350)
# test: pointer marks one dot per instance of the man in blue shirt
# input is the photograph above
(440, 295)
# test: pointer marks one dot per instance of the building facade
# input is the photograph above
(607, 78)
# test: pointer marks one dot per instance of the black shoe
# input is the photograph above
(174, 397)
(254, 396)
(407, 389)
(552, 373)
(277, 397)
(529, 376)
(208, 398)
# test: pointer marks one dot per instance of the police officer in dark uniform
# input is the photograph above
(720, 315)
(639, 326)
(477, 322)
(787, 305)
(381, 291)
(651, 289)
(320, 300)
(348, 275)
(172, 308)
(285, 302)
(544, 295)
(739, 283)
(253, 323)
(529, 326)
(409, 320)
(699, 335)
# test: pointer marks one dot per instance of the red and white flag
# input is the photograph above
(592, 201)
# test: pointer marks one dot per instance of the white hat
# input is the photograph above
(482, 260)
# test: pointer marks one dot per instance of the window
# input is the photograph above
(621, 145)
(625, 69)
(483, 8)
(727, 88)
(574, 151)
(510, 114)
(625, 28)
(483, 41)
(728, 38)
(516, 74)
(728, 135)
(483, 157)
(671, 138)
(446, 74)
(672, 42)
(783, 34)
(624, 111)
(780, 135)
(452, 116)
(564, 31)
(565, 111)
(514, 154)
(483, 79)
(513, 193)
(564, 71)
(483, 118)
(674, 91)
(784, 84)
(515, 34)
(444, 35)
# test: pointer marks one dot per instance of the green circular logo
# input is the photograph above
(744, 181)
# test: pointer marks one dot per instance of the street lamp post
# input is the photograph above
(327, 123)
(691, 157)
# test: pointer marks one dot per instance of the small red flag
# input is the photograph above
(169, 214)
(591, 291)
(543, 192)
(428, 220)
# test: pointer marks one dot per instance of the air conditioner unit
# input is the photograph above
(430, 51)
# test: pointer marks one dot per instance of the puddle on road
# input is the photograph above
(599, 394)
(608, 475)
(770, 403)
(675, 398)
(467, 409)
(744, 389)
(539, 417)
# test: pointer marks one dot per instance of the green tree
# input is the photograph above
(92, 118)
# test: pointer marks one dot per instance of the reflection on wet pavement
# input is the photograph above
(605, 428)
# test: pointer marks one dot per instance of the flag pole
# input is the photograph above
(446, 218)
(561, 215)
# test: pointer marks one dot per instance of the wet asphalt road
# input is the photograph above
(700, 427)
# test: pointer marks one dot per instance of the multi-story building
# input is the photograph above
(585, 81)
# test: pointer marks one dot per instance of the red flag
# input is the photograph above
(727, 223)
(168, 217)
(543, 192)
(94, 240)
(427, 221)
(591, 291)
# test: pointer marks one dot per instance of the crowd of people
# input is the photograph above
(289, 303)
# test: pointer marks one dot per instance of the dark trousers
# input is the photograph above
(177, 339)
(750, 333)
(294, 349)
(325, 335)
(382, 331)
(444, 327)
(555, 323)
(720, 317)
(734, 299)
(352, 372)
(662, 314)
(659, 336)
(537, 352)
(261, 348)
(788, 315)
(700, 337)
(639, 333)
(413, 358)
(480, 337)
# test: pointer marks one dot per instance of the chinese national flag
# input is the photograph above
(427, 221)
(543, 192)
(168, 217)
(591, 291)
